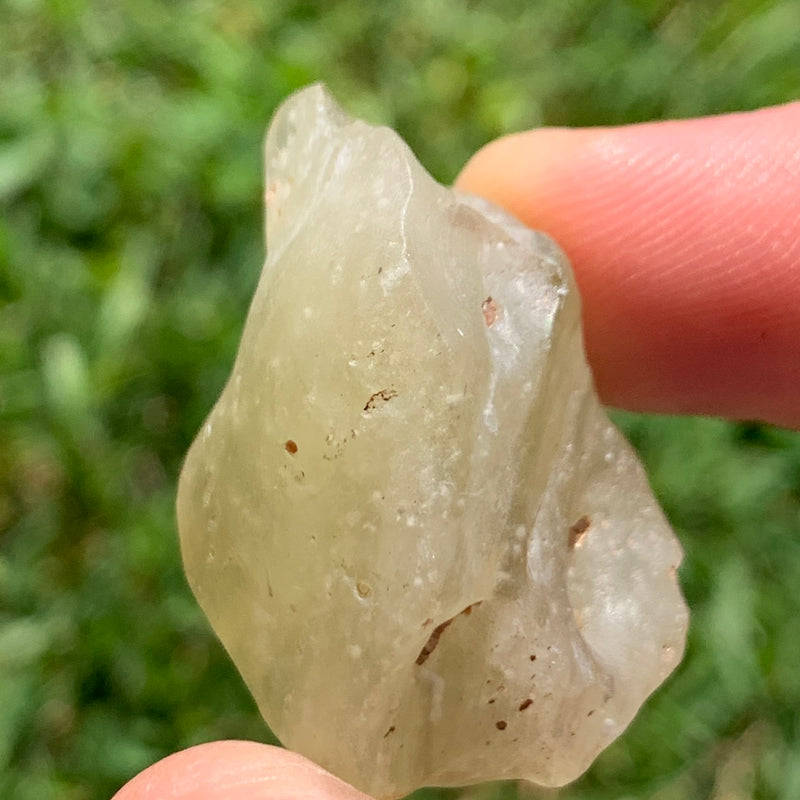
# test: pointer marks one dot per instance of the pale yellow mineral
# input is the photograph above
(430, 554)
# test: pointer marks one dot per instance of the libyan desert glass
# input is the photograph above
(428, 551)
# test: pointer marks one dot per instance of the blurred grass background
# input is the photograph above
(130, 242)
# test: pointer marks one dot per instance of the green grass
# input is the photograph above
(130, 242)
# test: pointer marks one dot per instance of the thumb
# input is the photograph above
(685, 240)
(236, 771)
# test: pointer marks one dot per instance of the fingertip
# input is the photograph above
(236, 770)
(684, 237)
(519, 170)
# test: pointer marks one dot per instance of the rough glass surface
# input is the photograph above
(430, 554)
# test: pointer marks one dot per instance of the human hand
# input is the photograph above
(685, 239)
(236, 771)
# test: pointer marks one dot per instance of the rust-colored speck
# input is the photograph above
(533, 657)
(391, 730)
(468, 610)
(577, 532)
(290, 446)
(382, 394)
(525, 704)
(489, 308)
(433, 639)
(501, 724)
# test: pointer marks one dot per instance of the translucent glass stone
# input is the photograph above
(430, 554)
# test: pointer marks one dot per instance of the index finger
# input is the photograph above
(685, 240)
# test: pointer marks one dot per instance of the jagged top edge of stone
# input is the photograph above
(281, 145)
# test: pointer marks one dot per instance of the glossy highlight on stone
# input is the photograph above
(430, 554)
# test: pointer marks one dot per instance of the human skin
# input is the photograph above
(685, 240)
(236, 771)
